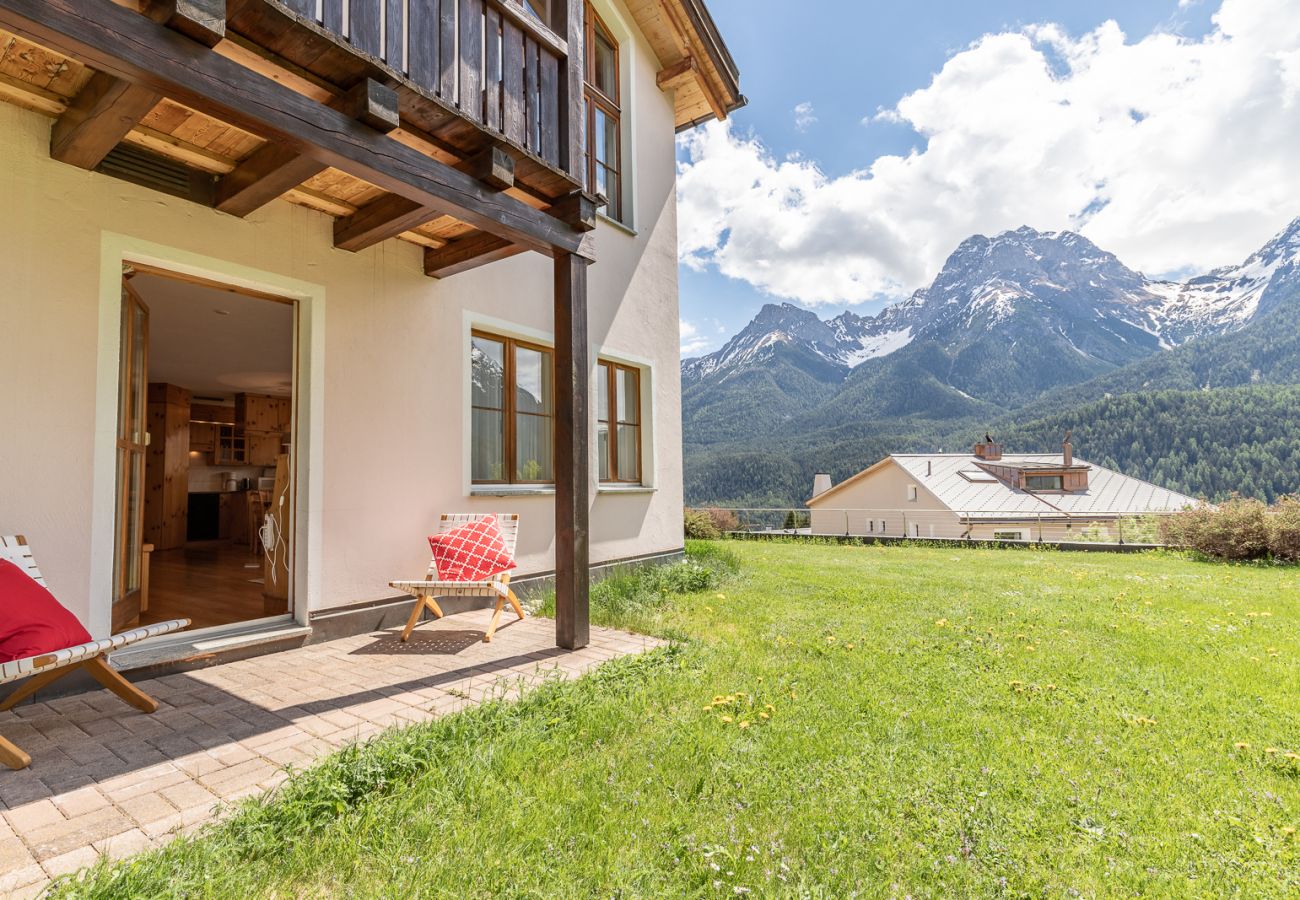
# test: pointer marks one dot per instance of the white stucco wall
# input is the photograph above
(878, 504)
(394, 361)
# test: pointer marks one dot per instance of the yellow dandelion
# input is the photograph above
(1030, 647)
(726, 720)
(1270, 750)
(744, 724)
(770, 708)
(1271, 650)
(1242, 745)
(940, 623)
(1254, 659)
(722, 596)
(718, 698)
(849, 646)
(830, 638)
(1051, 687)
(792, 695)
(765, 715)
(1291, 754)
(709, 708)
(1016, 683)
(1288, 830)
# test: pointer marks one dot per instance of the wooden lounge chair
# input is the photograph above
(50, 667)
(497, 586)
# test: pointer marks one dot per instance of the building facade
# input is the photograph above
(339, 270)
(988, 495)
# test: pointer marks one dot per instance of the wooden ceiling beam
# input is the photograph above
(155, 59)
(98, 118)
(467, 253)
(274, 169)
(393, 214)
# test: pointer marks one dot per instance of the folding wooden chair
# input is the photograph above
(497, 586)
(50, 667)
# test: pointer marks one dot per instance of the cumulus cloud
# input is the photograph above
(804, 116)
(1176, 154)
(692, 342)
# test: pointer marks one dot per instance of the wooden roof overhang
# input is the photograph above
(175, 79)
(695, 62)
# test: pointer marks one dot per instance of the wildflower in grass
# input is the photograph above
(744, 724)
(1288, 830)
(1051, 687)
(770, 708)
(725, 720)
(1270, 750)
(1242, 745)
(848, 646)
(830, 638)
(718, 698)
(765, 715)
(1291, 754)
(940, 623)
(1016, 683)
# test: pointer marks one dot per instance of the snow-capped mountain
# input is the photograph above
(1022, 310)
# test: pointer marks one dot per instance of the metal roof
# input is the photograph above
(1109, 493)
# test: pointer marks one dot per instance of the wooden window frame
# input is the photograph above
(594, 97)
(507, 409)
(1058, 489)
(611, 382)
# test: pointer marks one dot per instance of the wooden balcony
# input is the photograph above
(468, 74)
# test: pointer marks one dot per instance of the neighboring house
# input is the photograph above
(987, 495)
(332, 261)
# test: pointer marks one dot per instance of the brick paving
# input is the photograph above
(107, 780)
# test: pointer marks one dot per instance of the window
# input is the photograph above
(618, 422)
(604, 142)
(1008, 535)
(540, 10)
(911, 493)
(512, 411)
(1043, 482)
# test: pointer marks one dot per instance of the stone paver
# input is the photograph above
(106, 780)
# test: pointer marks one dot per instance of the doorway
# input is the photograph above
(205, 505)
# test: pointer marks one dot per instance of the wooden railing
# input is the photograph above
(490, 59)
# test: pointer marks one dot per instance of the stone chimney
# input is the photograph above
(988, 449)
(1067, 450)
(821, 483)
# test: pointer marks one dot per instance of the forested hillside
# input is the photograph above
(1204, 443)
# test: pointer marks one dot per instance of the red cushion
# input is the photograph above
(472, 552)
(32, 622)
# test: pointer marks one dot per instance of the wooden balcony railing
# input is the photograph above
(489, 59)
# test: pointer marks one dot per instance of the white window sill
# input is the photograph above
(610, 220)
(505, 490)
(625, 489)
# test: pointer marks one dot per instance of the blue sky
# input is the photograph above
(844, 62)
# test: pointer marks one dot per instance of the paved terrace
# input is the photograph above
(106, 780)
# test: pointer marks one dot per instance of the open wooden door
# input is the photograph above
(132, 442)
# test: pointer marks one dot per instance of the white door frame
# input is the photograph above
(309, 410)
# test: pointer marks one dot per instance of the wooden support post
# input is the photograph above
(578, 210)
(572, 453)
(98, 118)
(492, 166)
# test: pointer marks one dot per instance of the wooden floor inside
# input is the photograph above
(210, 583)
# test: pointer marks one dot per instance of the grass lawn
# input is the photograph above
(939, 722)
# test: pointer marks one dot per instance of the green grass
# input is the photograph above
(943, 722)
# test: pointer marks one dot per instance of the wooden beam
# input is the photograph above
(200, 20)
(672, 77)
(378, 221)
(572, 448)
(578, 209)
(98, 118)
(572, 120)
(275, 169)
(493, 166)
(467, 253)
(135, 49)
(272, 170)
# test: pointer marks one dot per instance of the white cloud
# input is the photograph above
(1176, 154)
(692, 342)
(804, 116)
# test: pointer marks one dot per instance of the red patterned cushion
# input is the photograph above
(472, 552)
(32, 622)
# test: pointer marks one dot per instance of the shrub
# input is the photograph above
(699, 525)
(723, 519)
(1284, 529)
(1237, 529)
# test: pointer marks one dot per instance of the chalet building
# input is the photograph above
(286, 279)
(987, 495)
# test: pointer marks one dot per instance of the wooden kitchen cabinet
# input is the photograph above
(262, 448)
(203, 437)
(255, 412)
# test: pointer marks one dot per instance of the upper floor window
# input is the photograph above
(512, 411)
(618, 422)
(540, 10)
(1043, 482)
(604, 140)
(911, 493)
